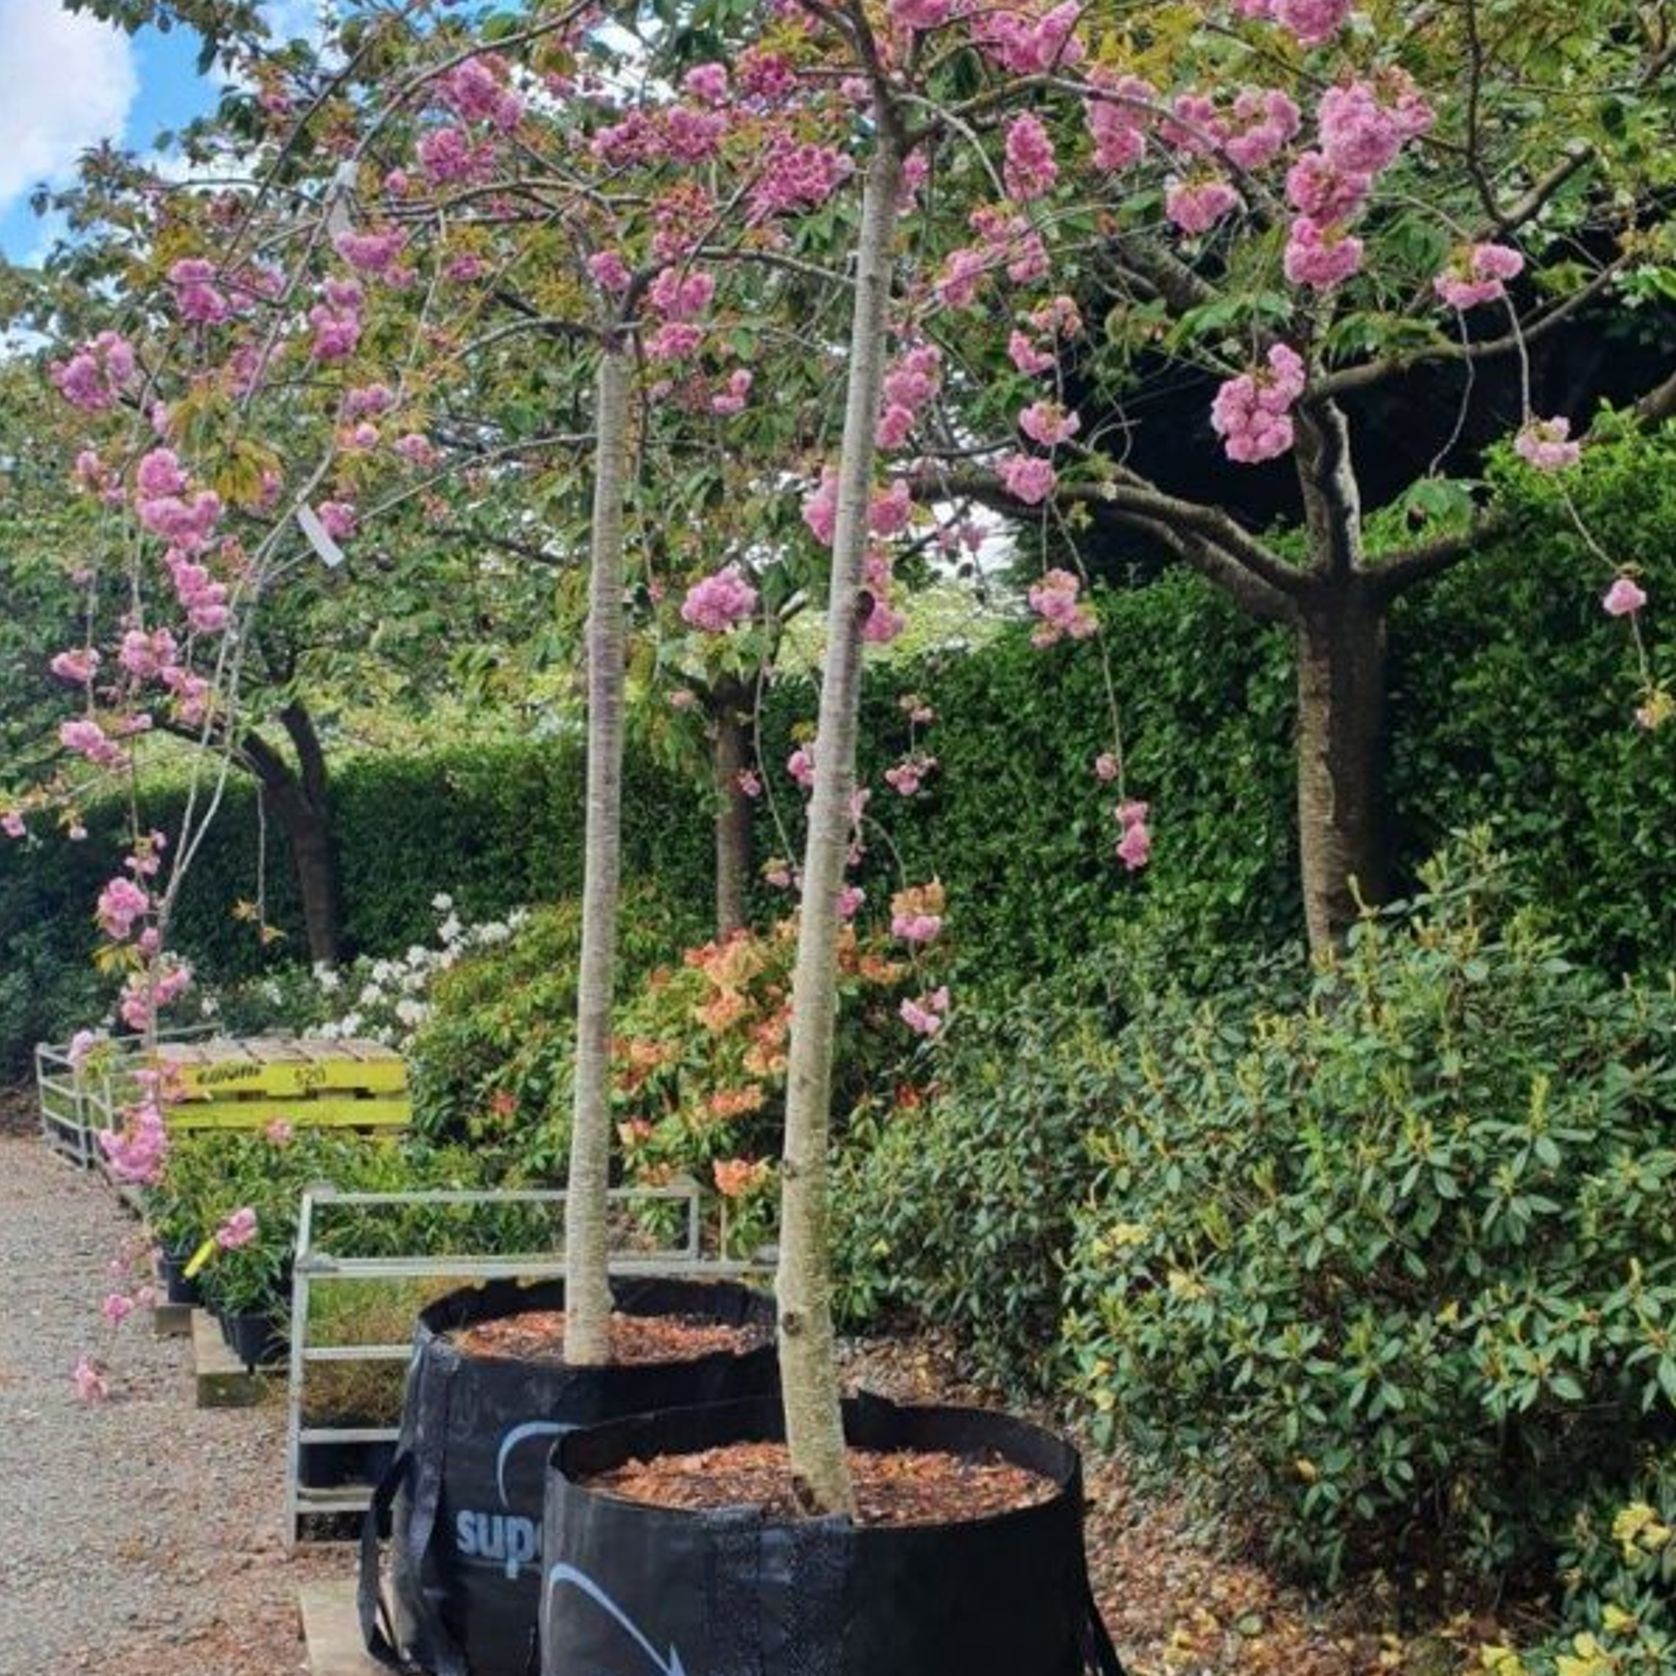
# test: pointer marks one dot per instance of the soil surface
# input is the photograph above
(900, 1487)
(537, 1335)
(142, 1534)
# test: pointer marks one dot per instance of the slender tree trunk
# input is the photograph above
(729, 758)
(300, 801)
(1341, 758)
(587, 1237)
(808, 1362)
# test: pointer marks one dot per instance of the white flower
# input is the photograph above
(450, 928)
(383, 971)
(209, 1006)
(411, 1013)
(328, 980)
(370, 995)
(272, 992)
(442, 902)
(417, 956)
(350, 1024)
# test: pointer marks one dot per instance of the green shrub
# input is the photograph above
(491, 1063)
(1394, 1268)
(700, 1078)
(1618, 1614)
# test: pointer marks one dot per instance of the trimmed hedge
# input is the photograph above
(1511, 702)
(496, 827)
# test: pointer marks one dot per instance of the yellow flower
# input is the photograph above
(1588, 1658)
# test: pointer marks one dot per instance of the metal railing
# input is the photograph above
(317, 1266)
(77, 1103)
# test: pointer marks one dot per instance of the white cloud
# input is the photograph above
(67, 81)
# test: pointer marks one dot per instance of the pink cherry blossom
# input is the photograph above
(97, 374)
(1028, 44)
(925, 1015)
(1026, 356)
(963, 270)
(1271, 120)
(371, 253)
(1319, 188)
(920, 14)
(906, 777)
(1027, 477)
(681, 296)
(610, 272)
(1134, 847)
(87, 738)
(850, 899)
(90, 1381)
(801, 766)
(1064, 614)
(13, 824)
(675, 340)
(1049, 424)
(1479, 275)
(797, 175)
(116, 1308)
(1321, 256)
(1362, 135)
(121, 903)
(1196, 206)
(338, 519)
(197, 299)
(279, 1132)
(1624, 598)
(1118, 122)
(716, 603)
(890, 509)
(79, 665)
(734, 394)
(239, 1229)
(1030, 169)
(1106, 767)
(749, 783)
(1252, 413)
(820, 510)
(1547, 445)
(707, 82)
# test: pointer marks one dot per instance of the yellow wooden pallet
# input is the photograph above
(227, 1084)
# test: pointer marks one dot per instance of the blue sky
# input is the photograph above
(68, 81)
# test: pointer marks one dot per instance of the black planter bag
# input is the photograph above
(466, 1485)
(631, 1590)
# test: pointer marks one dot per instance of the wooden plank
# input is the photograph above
(221, 1378)
(299, 1078)
(323, 1112)
(332, 1631)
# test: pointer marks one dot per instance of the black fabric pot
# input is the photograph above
(632, 1590)
(466, 1488)
(256, 1338)
(171, 1270)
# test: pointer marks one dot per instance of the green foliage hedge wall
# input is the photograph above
(1511, 702)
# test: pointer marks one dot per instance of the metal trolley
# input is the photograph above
(310, 1510)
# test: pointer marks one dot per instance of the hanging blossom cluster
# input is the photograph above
(1063, 613)
(715, 604)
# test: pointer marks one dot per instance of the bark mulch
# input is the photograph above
(537, 1335)
(894, 1488)
(1182, 1595)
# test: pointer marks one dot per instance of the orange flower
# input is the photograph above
(736, 1177)
(736, 1102)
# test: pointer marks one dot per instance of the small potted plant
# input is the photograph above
(246, 1269)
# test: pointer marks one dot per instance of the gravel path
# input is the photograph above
(142, 1535)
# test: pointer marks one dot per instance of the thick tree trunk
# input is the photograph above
(730, 756)
(587, 1237)
(808, 1362)
(1341, 758)
(300, 801)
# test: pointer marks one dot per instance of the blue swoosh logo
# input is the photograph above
(587, 1586)
(521, 1434)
